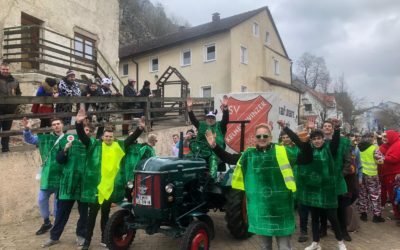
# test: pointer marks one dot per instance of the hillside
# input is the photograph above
(140, 20)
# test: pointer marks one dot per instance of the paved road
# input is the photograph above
(384, 236)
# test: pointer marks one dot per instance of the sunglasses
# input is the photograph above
(264, 136)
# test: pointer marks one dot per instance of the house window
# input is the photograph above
(125, 69)
(154, 64)
(276, 67)
(206, 91)
(210, 53)
(243, 89)
(256, 29)
(244, 57)
(84, 46)
(186, 58)
(308, 107)
(267, 38)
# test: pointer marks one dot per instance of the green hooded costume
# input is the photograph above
(93, 175)
(73, 170)
(339, 161)
(49, 146)
(317, 180)
(269, 201)
(220, 140)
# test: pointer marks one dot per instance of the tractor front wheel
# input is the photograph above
(117, 235)
(236, 214)
(197, 236)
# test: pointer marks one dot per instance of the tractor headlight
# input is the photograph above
(169, 188)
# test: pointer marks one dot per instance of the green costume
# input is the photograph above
(130, 161)
(93, 175)
(220, 140)
(49, 145)
(72, 171)
(147, 151)
(339, 161)
(269, 200)
(316, 181)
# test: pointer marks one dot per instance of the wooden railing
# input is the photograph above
(48, 52)
(172, 113)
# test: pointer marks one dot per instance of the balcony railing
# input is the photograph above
(39, 49)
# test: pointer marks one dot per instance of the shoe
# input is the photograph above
(5, 150)
(50, 242)
(303, 237)
(346, 237)
(341, 245)
(322, 234)
(378, 219)
(314, 246)
(363, 216)
(80, 240)
(44, 228)
(86, 245)
(103, 244)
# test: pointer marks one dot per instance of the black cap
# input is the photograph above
(51, 81)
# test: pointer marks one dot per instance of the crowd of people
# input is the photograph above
(320, 172)
(67, 86)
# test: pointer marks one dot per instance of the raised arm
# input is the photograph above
(80, 130)
(225, 114)
(192, 117)
(226, 157)
(133, 137)
(27, 133)
(334, 145)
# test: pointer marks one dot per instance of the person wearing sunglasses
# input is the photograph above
(317, 178)
(264, 172)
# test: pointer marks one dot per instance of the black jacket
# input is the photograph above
(9, 86)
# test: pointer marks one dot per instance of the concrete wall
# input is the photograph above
(98, 19)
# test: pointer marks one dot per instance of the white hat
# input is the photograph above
(105, 81)
(210, 114)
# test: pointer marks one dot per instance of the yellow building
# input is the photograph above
(241, 53)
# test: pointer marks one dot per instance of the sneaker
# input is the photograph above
(314, 246)
(346, 237)
(103, 244)
(341, 245)
(50, 242)
(5, 150)
(363, 216)
(44, 228)
(303, 237)
(80, 240)
(85, 245)
(378, 219)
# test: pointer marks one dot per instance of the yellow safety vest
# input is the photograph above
(369, 166)
(284, 165)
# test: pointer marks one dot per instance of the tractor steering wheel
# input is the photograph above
(200, 149)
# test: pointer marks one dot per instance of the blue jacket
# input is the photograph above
(30, 138)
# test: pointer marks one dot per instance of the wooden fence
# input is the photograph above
(168, 111)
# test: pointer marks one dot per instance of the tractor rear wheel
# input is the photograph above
(236, 214)
(196, 237)
(117, 235)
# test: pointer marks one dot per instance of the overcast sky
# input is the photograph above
(357, 38)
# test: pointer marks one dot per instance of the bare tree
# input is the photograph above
(313, 72)
(389, 117)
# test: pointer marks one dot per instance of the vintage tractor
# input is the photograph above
(173, 195)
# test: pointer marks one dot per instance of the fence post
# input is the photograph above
(148, 114)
